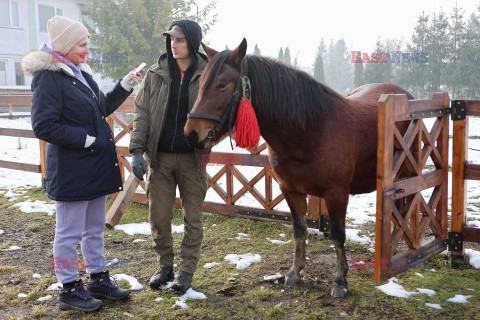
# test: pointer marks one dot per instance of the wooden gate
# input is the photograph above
(462, 171)
(411, 225)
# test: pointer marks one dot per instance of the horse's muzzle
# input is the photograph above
(192, 140)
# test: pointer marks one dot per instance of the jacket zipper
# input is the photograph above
(176, 116)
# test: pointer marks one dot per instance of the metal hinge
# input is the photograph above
(455, 241)
(458, 111)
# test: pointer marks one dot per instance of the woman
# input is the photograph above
(69, 112)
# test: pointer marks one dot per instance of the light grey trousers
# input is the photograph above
(78, 221)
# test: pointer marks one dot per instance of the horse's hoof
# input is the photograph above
(339, 292)
(290, 282)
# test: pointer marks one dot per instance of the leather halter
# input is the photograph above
(232, 107)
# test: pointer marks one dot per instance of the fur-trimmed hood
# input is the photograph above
(37, 60)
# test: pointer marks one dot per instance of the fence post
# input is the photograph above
(459, 196)
(43, 161)
(10, 111)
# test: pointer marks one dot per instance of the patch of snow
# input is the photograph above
(36, 276)
(180, 304)
(241, 236)
(1, 232)
(459, 298)
(244, 260)
(427, 291)
(433, 305)
(474, 257)
(352, 235)
(158, 299)
(134, 284)
(12, 248)
(419, 274)
(193, 295)
(282, 235)
(279, 241)
(55, 287)
(315, 231)
(144, 228)
(276, 276)
(211, 265)
(37, 206)
(393, 289)
(47, 297)
(139, 240)
(22, 295)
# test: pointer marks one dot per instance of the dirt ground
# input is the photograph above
(248, 295)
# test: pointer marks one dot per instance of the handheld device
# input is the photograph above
(140, 67)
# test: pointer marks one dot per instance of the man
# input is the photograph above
(164, 98)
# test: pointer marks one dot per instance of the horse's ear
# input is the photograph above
(236, 56)
(209, 51)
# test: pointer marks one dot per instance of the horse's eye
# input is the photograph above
(221, 85)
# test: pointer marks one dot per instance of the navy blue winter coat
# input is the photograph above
(64, 111)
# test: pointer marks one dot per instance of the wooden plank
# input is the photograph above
(20, 166)
(443, 147)
(471, 234)
(473, 107)
(407, 107)
(413, 185)
(15, 99)
(472, 171)
(459, 196)
(386, 123)
(407, 260)
(121, 201)
(17, 133)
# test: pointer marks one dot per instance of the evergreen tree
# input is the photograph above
(133, 29)
(457, 35)
(468, 59)
(338, 67)
(358, 78)
(415, 75)
(286, 58)
(280, 55)
(318, 72)
(256, 51)
(378, 72)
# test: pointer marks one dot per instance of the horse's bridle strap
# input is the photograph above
(204, 116)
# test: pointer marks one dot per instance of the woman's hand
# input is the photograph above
(131, 80)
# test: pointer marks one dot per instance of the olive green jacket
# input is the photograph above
(151, 104)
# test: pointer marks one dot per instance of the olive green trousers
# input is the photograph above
(177, 170)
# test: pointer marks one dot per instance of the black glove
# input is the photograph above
(139, 167)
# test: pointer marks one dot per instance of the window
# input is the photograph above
(9, 13)
(45, 13)
(3, 74)
(19, 77)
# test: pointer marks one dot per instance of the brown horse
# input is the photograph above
(325, 144)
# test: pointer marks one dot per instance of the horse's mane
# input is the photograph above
(286, 95)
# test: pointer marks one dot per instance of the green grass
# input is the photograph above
(246, 297)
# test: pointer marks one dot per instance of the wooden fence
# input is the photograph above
(228, 165)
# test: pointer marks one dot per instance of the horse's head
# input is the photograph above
(218, 96)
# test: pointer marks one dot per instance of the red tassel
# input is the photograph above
(246, 126)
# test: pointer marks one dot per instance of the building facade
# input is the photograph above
(23, 27)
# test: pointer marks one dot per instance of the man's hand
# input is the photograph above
(139, 166)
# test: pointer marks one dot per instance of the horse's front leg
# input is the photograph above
(337, 202)
(298, 207)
